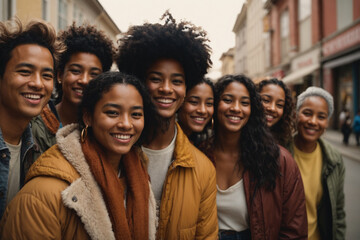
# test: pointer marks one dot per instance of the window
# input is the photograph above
(62, 20)
(344, 9)
(6, 7)
(284, 34)
(45, 10)
(304, 11)
(78, 16)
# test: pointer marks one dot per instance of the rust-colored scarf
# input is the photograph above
(132, 223)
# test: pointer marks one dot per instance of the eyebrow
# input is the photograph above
(118, 106)
(173, 74)
(32, 66)
(81, 66)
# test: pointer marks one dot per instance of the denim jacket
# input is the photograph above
(28, 154)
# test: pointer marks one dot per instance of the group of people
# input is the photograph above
(155, 150)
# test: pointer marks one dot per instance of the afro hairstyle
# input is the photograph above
(147, 43)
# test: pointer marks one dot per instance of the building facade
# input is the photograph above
(240, 49)
(227, 60)
(61, 13)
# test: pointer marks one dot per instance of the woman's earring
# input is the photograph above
(212, 123)
(84, 133)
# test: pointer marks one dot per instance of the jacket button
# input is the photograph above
(74, 199)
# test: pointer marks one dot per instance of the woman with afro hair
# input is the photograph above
(278, 108)
(169, 58)
(260, 194)
(89, 52)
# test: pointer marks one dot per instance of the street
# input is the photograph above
(352, 197)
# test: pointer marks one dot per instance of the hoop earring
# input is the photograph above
(84, 133)
(212, 123)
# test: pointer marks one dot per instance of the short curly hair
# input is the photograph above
(183, 42)
(85, 38)
(285, 127)
(13, 33)
(317, 92)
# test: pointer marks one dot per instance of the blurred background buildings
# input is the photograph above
(304, 43)
(61, 13)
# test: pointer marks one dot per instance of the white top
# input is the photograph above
(232, 209)
(14, 171)
(159, 162)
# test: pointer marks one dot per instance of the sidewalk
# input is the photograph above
(335, 138)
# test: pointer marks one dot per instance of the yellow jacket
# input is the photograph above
(61, 199)
(188, 201)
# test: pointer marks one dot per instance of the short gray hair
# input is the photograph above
(317, 92)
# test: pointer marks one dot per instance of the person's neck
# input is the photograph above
(12, 127)
(68, 113)
(163, 138)
(304, 146)
(227, 142)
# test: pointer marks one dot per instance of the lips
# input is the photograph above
(164, 102)
(234, 119)
(199, 120)
(310, 131)
(122, 137)
(78, 91)
(33, 98)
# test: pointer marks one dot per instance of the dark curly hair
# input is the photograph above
(183, 42)
(13, 33)
(88, 39)
(259, 154)
(100, 85)
(285, 127)
(197, 137)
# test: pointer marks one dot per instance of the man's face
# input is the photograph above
(27, 83)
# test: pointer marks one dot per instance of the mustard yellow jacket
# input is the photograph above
(188, 202)
(61, 199)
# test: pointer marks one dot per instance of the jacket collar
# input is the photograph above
(182, 153)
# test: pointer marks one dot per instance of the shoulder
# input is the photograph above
(287, 164)
(330, 153)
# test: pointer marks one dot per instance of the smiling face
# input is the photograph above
(78, 71)
(197, 109)
(118, 120)
(312, 119)
(165, 80)
(273, 101)
(234, 108)
(27, 82)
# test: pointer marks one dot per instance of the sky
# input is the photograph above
(216, 17)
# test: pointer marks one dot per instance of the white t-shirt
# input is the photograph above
(159, 162)
(14, 171)
(231, 208)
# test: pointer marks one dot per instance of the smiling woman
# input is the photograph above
(253, 173)
(88, 53)
(96, 174)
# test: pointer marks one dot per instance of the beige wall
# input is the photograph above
(27, 10)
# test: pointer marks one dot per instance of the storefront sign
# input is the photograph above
(347, 39)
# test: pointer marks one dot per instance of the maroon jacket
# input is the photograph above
(281, 213)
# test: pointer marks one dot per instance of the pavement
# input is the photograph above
(335, 138)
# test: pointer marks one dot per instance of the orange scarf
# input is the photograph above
(132, 222)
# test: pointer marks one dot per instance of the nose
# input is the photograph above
(201, 109)
(166, 87)
(125, 122)
(36, 81)
(313, 119)
(270, 107)
(84, 78)
(235, 106)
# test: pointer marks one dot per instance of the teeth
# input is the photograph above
(165, 100)
(122, 136)
(79, 91)
(199, 119)
(32, 96)
(234, 118)
(269, 116)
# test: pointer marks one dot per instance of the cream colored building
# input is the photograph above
(227, 60)
(240, 50)
(255, 43)
(61, 13)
